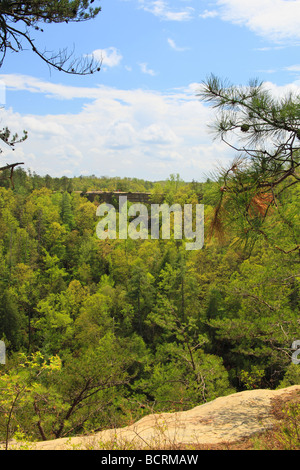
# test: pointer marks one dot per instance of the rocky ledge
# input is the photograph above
(226, 419)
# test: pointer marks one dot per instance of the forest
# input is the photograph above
(99, 333)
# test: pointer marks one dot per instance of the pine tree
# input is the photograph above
(265, 132)
(66, 213)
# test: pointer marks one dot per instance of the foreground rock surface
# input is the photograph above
(226, 419)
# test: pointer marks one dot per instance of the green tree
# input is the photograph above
(182, 376)
(82, 392)
(66, 213)
(256, 320)
(19, 386)
(11, 320)
(140, 292)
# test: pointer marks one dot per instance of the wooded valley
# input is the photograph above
(101, 332)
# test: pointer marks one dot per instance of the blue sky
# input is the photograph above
(140, 116)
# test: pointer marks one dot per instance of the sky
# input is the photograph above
(140, 116)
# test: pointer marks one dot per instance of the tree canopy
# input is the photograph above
(112, 330)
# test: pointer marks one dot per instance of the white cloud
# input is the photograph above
(134, 133)
(267, 71)
(146, 70)
(44, 128)
(173, 45)
(159, 134)
(276, 20)
(2, 93)
(293, 68)
(120, 135)
(51, 90)
(283, 90)
(164, 11)
(209, 14)
(109, 57)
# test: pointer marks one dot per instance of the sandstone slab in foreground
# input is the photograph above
(226, 419)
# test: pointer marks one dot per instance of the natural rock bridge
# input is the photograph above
(109, 196)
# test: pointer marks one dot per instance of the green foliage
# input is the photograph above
(19, 388)
(138, 325)
(252, 379)
(288, 434)
(291, 376)
(181, 377)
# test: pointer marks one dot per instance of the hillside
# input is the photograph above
(225, 421)
(101, 332)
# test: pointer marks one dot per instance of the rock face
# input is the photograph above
(226, 419)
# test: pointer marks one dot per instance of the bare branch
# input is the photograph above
(11, 168)
(18, 19)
